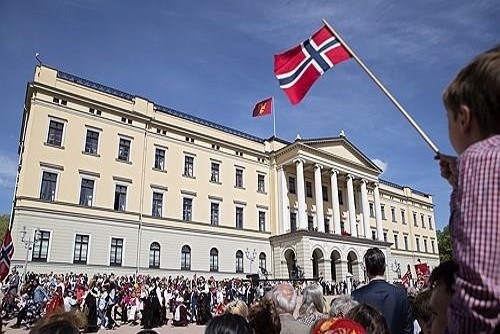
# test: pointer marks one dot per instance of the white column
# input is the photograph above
(378, 213)
(366, 210)
(301, 196)
(352, 208)
(283, 201)
(335, 202)
(320, 215)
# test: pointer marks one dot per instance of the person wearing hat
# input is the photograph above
(90, 309)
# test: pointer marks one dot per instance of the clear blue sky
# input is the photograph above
(214, 59)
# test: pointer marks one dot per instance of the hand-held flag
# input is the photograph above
(298, 68)
(6, 253)
(263, 108)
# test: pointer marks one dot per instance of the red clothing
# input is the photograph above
(475, 233)
(55, 303)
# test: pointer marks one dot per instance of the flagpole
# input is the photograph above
(274, 116)
(384, 90)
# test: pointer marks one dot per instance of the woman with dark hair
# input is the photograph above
(228, 324)
(370, 318)
(263, 318)
(90, 309)
(204, 314)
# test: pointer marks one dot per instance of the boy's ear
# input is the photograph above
(465, 118)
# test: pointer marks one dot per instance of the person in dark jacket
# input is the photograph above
(391, 301)
(90, 307)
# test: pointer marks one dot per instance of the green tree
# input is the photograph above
(444, 244)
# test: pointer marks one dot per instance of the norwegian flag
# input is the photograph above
(6, 255)
(298, 68)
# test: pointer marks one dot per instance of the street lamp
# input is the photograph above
(396, 267)
(251, 256)
(364, 270)
(28, 245)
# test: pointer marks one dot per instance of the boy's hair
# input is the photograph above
(444, 273)
(477, 86)
(421, 305)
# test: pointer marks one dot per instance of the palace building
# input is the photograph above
(112, 182)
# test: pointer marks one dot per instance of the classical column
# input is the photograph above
(320, 215)
(366, 209)
(283, 201)
(335, 202)
(352, 208)
(301, 197)
(378, 213)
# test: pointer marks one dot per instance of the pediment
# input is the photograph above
(342, 148)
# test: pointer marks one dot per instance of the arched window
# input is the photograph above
(239, 261)
(262, 262)
(154, 255)
(214, 259)
(186, 258)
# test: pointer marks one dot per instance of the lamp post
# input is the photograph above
(28, 245)
(396, 268)
(364, 270)
(251, 256)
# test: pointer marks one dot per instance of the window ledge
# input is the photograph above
(189, 176)
(91, 154)
(262, 192)
(241, 188)
(54, 146)
(159, 170)
(215, 182)
(123, 161)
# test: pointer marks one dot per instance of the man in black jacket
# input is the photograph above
(391, 301)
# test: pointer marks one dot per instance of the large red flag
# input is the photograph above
(298, 68)
(6, 253)
(263, 108)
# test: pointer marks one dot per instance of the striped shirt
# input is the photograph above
(475, 233)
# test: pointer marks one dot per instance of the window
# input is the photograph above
(293, 221)
(116, 254)
(157, 207)
(385, 236)
(372, 210)
(396, 245)
(214, 172)
(120, 198)
(214, 214)
(430, 222)
(55, 133)
(310, 222)
(309, 190)
(160, 159)
(187, 209)
(261, 187)
(48, 189)
(433, 246)
(86, 192)
(403, 219)
(92, 142)
(262, 221)
(341, 198)
(124, 149)
(374, 235)
(239, 217)
(382, 210)
(154, 255)
(327, 225)
(324, 191)
(239, 261)
(214, 260)
(262, 262)
(422, 220)
(239, 178)
(186, 258)
(41, 247)
(188, 166)
(81, 249)
(406, 242)
(393, 214)
(415, 219)
(425, 246)
(291, 185)
(417, 243)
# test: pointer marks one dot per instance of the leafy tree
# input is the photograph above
(444, 244)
